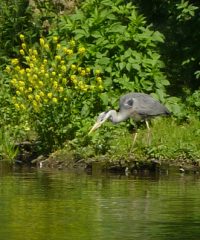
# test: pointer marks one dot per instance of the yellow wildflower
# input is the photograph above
(81, 50)
(99, 79)
(17, 106)
(17, 68)
(14, 61)
(30, 97)
(58, 46)
(100, 87)
(46, 46)
(23, 45)
(61, 89)
(55, 38)
(53, 73)
(73, 66)
(37, 97)
(30, 89)
(75, 81)
(64, 80)
(83, 72)
(21, 89)
(31, 65)
(21, 83)
(55, 100)
(49, 95)
(73, 77)
(58, 57)
(21, 36)
(27, 58)
(35, 104)
(72, 43)
(68, 51)
(35, 76)
(22, 106)
(34, 59)
(18, 93)
(55, 84)
(42, 42)
(84, 89)
(35, 52)
(97, 71)
(8, 69)
(41, 83)
(41, 94)
(87, 70)
(21, 51)
(63, 68)
(14, 81)
(22, 71)
(42, 71)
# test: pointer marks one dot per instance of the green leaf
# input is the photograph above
(157, 36)
(128, 66)
(96, 34)
(116, 28)
(85, 110)
(104, 98)
(103, 61)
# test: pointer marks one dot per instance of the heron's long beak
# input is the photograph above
(95, 126)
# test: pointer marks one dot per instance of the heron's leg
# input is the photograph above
(135, 137)
(134, 140)
(149, 132)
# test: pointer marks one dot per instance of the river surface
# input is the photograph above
(58, 205)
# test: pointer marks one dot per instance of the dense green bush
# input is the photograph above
(119, 42)
(54, 88)
(15, 17)
(61, 77)
(179, 21)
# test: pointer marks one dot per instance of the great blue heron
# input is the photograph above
(139, 106)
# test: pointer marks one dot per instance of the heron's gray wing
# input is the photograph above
(142, 104)
(149, 107)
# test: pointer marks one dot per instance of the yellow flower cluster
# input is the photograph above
(49, 74)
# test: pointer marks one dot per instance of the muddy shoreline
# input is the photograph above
(63, 159)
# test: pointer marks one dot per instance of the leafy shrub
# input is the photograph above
(16, 17)
(54, 88)
(194, 102)
(120, 43)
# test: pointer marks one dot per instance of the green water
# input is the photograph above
(36, 204)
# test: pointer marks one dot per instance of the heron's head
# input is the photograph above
(100, 120)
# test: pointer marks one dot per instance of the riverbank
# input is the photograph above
(172, 145)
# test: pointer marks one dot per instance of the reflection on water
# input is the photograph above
(36, 204)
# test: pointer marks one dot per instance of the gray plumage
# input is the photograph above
(139, 106)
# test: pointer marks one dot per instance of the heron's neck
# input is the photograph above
(116, 117)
